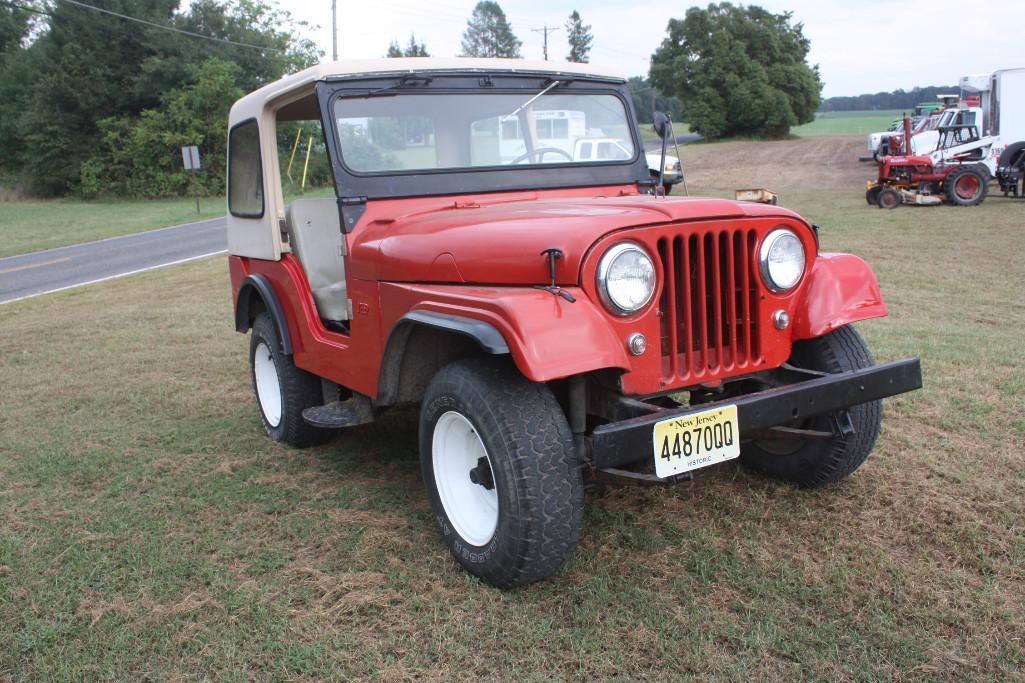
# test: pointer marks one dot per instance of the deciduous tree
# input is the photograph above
(489, 34)
(78, 67)
(738, 71)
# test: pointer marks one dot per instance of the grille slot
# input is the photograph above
(709, 303)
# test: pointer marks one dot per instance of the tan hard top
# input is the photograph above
(252, 105)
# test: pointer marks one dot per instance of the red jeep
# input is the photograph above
(554, 317)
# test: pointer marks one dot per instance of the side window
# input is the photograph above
(585, 150)
(245, 171)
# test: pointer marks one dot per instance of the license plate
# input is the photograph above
(696, 440)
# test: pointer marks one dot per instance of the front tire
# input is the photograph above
(888, 198)
(282, 390)
(813, 463)
(498, 464)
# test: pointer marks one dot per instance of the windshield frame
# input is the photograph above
(476, 179)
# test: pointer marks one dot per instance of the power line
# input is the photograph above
(25, 9)
(144, 22)
(546, 31)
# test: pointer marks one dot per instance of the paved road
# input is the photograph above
(53, 270)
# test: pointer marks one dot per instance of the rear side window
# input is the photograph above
(245, 171)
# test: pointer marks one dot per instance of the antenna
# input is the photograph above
(334, 30)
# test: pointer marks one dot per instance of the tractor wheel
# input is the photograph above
(871, 194)
(888, 198)
(966, 186)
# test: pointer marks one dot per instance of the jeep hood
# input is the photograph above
(501, 243)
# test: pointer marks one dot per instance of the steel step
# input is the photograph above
(354, 411)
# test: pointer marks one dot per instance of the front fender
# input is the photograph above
(548, 337)
(842, 289)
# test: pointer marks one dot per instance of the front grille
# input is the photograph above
(709, 304)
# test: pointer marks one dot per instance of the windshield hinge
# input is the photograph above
(351, 209)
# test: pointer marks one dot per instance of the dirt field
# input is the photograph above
(803, 163)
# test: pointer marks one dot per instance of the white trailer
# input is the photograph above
(1002, 96)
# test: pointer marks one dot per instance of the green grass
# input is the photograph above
(33, 225)
(27, 226)
(150, 530)
(848, 123)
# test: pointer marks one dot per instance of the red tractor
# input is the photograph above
(956, 171)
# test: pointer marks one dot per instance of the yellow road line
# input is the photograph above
(27, 266)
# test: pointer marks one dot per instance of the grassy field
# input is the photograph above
(848, 123)
(33, 225)
(149, 530)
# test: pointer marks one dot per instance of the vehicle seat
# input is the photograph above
(316, 239)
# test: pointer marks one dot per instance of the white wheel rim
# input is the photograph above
(268, 390)
(471, 508)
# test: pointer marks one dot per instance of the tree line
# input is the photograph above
(92, 103)
(98, 98)
(896, 99)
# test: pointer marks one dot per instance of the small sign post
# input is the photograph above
(190, 157)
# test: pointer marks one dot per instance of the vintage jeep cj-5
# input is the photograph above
(555, 318)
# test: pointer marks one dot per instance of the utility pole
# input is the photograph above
(334, 30)
(545, 31)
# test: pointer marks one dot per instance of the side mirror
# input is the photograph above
(661, 124)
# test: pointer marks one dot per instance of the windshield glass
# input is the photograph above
(421, 132)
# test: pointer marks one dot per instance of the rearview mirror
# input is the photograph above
(661, 124)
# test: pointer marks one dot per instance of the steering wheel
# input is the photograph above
(539, 153)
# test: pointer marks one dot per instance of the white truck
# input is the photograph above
(925, 134)
(569, 131)
(612, 149)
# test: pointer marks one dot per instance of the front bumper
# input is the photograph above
(620, 443)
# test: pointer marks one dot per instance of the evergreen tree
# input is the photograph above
(738, 71)
(412, 49)
(488, 33)
(579, 36)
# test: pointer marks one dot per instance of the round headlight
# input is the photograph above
(626, 278)
(781, 260)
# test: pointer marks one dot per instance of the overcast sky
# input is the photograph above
(864, 46)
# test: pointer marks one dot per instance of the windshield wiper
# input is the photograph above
(532, 99)
(407, 81)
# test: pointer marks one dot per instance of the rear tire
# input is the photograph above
(814, 463)
(966, 186)
(483, 424)
(282, 390)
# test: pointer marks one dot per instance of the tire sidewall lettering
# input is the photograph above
(467, 552)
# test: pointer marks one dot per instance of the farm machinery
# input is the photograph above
(962, 164)
(957, 171)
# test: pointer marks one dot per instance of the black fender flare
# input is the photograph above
(260, 286)
(485, 335)
(1010, 152)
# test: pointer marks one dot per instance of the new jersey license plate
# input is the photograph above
(696, 440)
